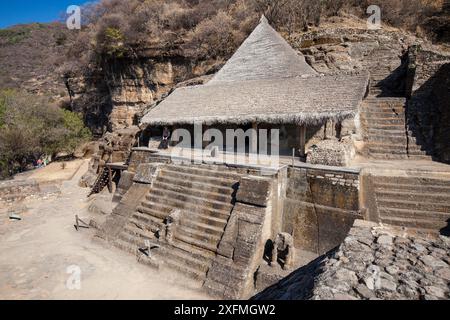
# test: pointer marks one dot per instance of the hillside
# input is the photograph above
(133, 53)
(30, 56)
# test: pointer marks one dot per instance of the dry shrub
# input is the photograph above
(214, 37)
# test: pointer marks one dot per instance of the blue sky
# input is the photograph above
(25, 11)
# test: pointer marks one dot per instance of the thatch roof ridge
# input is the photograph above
(265, 54)
(332, 75)
(301, 100)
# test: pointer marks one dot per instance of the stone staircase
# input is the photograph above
(384, 65)
(205, 197)
(385, 131)
(413, 201)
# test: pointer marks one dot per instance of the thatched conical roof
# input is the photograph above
(264, 55)
(265, 81)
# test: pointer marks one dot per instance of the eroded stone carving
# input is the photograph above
(284, 249)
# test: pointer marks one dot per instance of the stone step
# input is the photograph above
(198, 234)
(387, 127)
(135, 236)
(416, 223)
(395, 132)
(138, 229)
(201, 186)
(196, 243)
(200, 263)
(394, 139)
(375, 147)
(195, 251)
(161, 188)
(384, 100)
(413, 205)
(125, 246)
(402, 141)
(423, 188)
(401, 151)
(413, 214)
(410, 195)
(147, 221)
(380, 113)
(186, 270)
(221, 182)
(200, 214)
(204, 171)
(379, 105)
(145, 209)
(175, 198)
(384, 156)
(374, 122)
(206, 228)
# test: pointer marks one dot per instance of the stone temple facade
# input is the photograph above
(360, 210)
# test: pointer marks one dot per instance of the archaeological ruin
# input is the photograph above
(361, 170)
(312, 167)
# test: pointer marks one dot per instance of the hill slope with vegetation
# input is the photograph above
(132, 53)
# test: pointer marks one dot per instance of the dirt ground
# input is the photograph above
(53, 172)
(40, 256)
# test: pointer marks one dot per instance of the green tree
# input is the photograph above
(31, 127)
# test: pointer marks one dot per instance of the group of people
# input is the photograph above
(40, 163)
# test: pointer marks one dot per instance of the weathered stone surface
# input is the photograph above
(253, 190)
(385, 240)
(145, 173)
(318, 211)
(404, 265)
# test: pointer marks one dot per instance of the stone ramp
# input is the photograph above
(386, 135)
(413, 201)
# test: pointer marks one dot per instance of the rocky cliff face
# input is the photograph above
(428, 111)
(116, 96)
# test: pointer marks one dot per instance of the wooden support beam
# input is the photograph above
(302, 146)
(254, 142)
(110, 180)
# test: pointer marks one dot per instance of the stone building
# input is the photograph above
(265, 85)
(235, 229)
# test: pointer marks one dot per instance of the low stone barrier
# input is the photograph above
(12, 191)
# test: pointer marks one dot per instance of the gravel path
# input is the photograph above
(38, 251)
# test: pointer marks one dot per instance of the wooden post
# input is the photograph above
(302, 149)
(254, 142)
(110, 180)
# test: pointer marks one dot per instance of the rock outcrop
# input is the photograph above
(374, 262)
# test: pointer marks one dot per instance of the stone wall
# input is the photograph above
(332, 152)
(386, 263)
(12, 191)
(320, 207)
(241, 249)
(428, 112)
